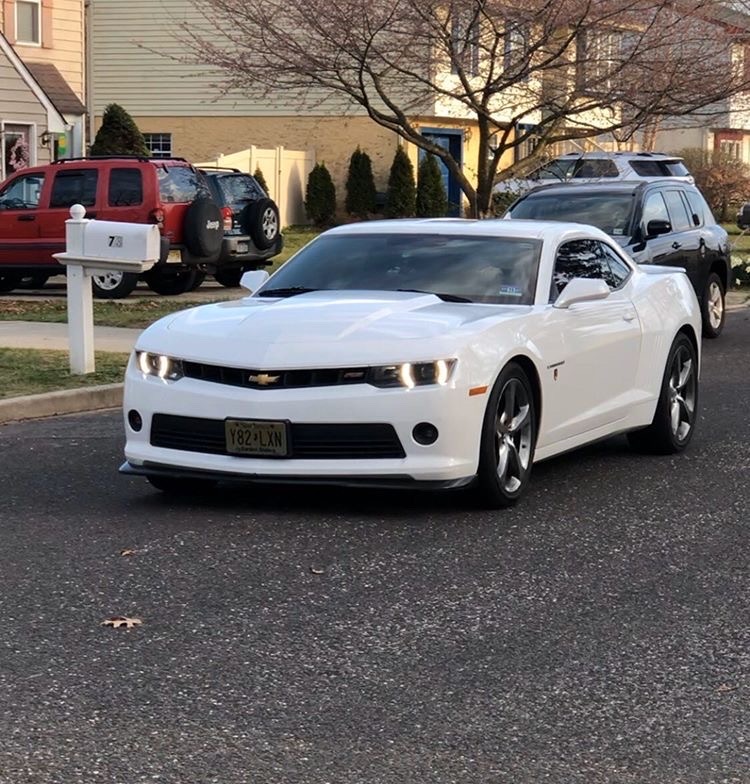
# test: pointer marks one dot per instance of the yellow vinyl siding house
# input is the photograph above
(42, 68)
(133, 61)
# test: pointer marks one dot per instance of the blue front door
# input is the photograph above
(453, 142)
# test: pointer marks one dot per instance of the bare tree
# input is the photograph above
(545, 71)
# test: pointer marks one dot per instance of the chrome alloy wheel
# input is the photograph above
(270, 223)
(715, 305)
(682, 393)
(107, 281)
(513, 435)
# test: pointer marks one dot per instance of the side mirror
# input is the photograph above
(582, 290)
(254, 279)
(657, 227)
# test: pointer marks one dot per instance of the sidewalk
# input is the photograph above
(43, 335)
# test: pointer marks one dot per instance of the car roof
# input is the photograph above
(620, 154)
(614, 186)
(497, 227)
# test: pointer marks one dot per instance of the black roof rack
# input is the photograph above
(221, 168)
(119, 158)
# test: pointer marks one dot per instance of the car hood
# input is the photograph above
(328, 328)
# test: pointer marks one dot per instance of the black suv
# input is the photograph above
(662, 222)
(252, 233)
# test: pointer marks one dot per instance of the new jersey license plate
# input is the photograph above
(256, 438)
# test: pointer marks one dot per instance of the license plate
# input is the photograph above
(174, 257)
(252, 437)
(242, 247)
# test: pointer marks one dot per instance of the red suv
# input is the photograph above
(35, 203)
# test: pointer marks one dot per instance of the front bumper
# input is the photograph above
(451, 461)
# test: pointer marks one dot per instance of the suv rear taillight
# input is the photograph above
(226, 214)
(157, 216)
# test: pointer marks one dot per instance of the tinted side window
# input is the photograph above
(555, 170)
(647, 168)
(23, 193)
(596, 168)
(677, 211)
(619, 271)
(654, 208)
(125, 187)
(676, 168)
(699, 208)
(180, 184)
(74, 187)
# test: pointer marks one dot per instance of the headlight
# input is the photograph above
(158, 365)
(412, 374)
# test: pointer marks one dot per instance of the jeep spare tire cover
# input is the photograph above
(260, 219)
(203, 228)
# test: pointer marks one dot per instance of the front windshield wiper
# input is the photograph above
(289, 291)
(444, 297)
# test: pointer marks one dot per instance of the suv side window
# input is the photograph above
(587, 259)
(74, 186)
(179, 184)
(595, 167)
(678, 215)
(699, 208)
(23, 193)
(654, 208)
(125, 188)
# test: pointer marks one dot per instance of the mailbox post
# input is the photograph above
(91, 246)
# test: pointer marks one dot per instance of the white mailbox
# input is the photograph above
(92, 246)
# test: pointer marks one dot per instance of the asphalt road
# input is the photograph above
(599, 632)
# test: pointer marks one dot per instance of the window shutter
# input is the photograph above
(47, 39)
(9, 16)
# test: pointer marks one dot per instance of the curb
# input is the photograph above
(68, 401)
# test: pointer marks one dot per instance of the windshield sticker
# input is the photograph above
(510, 291)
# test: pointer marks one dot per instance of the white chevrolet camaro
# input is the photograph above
(433, 353)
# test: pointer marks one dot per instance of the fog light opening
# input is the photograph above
(425, 433)
(135, 420)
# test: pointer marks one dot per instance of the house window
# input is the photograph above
(29, 22)
(465, 43)
(730, 149)
(599, 56)
(516, 49)
(159, 144)
(18, 150)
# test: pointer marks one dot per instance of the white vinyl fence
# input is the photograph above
(285, 172)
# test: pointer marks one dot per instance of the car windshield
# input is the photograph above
(240, 188)
(610, 212)
(499, 270)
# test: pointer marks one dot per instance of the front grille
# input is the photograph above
(308, 441)
(274, 379)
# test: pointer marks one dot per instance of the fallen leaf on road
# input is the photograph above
(315, 570)
(725, 687)
(126, 552)
(121, 620)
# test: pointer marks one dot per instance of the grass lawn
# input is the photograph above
(27, 372)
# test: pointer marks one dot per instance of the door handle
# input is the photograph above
(629, 315)
(27, 217)
(676, 245)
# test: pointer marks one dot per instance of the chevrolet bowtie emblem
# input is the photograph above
(263, 379)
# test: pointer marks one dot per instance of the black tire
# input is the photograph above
(203, 228)
(713, 307)
(509, 435)
(260, 219)
(37, 280)
(200, 276)
(678, 398)
(229, 277)
(9, 281)
(186, 488)
(169, 281)
(114, 284)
